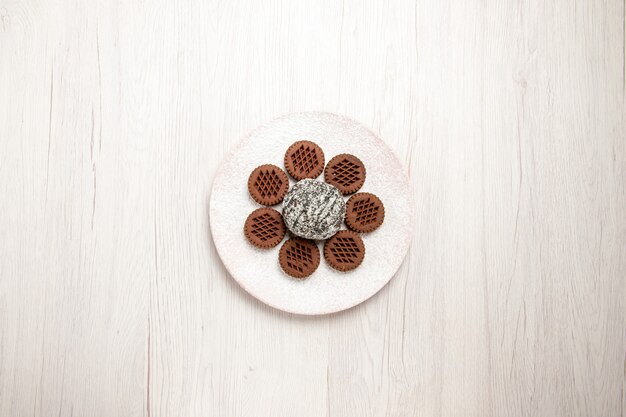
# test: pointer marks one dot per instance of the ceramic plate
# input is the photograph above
(326, 290)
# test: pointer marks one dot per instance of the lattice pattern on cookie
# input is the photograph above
(366, 211)
(346, 173)
(345, 250)
(305, 159)
(268, 183)
(299, 256)
(266, 227)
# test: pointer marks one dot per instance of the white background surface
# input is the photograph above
(509, 117)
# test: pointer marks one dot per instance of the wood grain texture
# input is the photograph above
(510, 117)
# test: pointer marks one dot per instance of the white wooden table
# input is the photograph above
(509, 116)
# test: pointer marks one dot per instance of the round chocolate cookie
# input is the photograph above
(264, 228)
(299, 258)
(268, 184)
(304, 159)
(346, 172)
(344, 251)
(364, 212)
(313, 210)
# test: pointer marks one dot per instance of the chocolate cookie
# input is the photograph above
(346, 172)
(264, 228)
(304, 159)
(344, 251)
(299, 258)
(268, 185)
(364, 212)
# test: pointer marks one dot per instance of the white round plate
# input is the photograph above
(326, 290)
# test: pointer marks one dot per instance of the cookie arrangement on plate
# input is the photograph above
(313, 210)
